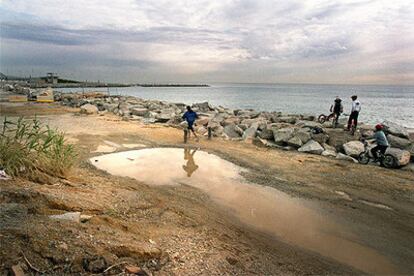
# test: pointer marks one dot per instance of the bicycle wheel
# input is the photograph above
(322, 118)
(363, 158)
(389, 161)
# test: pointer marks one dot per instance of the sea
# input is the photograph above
(379, 102)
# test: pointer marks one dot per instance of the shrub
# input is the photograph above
(30, 149)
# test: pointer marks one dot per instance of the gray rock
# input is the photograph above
(239, 130)
(230, 131)
(218, 131)
(395, 129)
(72, 216)
(321, 138)
(303, 135)
(231, 120)
(149, 121)
(138, 111)
(250, 132)
(328, 147)
(89, 109)
(282, 135)
(309, 124)
(266, 134)
(286, 119)
(353, 148)
(295, 142)
(398, 142)
(311, 147)
(329, 153)
(204, 107)
(342, 156)
(402, 156)
(243, 126)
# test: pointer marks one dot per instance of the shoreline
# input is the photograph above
(269, 129)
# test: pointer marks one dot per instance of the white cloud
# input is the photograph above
(305, 41)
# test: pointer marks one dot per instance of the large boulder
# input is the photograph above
(353, 148)
(204, 107)
(283, 135)
(266, 134)
(395, 129)
(402, 156)
(231, 132)
(231, 120)
(285, 119)
(309, 124)
(88, 109)
(295, 142)
(250, 132)
(138, 111)
(304, 135)
(321, 138)
(311, 147)
(164, 116)
(398, 142)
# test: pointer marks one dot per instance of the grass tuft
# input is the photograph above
(30, 149)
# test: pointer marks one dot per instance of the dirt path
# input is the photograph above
(179, 229)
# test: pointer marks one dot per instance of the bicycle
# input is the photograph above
(326, 118)
(386, 160)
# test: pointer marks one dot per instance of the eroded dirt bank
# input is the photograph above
(180, 229)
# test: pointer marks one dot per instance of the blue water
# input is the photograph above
(379, 103)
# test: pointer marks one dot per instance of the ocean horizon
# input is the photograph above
(379, 102)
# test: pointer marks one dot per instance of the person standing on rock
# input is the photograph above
(190, 116)
(353, 117)
(337, 109)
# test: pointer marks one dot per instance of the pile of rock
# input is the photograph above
(270, 129)
(16, 88)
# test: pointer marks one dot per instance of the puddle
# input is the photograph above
(267, 209)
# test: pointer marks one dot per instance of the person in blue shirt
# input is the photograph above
(190, 116)
(382, 142)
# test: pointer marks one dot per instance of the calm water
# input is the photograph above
(379, 103)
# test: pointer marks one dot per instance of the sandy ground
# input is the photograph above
(180, 229)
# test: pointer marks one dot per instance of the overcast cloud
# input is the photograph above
(320, 41)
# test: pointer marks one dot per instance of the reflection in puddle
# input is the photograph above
(264, 208)
(191, 166)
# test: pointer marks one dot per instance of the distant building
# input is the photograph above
(52, 78)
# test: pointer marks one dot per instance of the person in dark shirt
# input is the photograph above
(190, 116)
(337, 109)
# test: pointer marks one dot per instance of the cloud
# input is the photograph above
(235, 40)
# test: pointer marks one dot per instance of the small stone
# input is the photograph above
(89, 109)
(72, 216)
(133, 269)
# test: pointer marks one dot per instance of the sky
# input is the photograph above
(244, 41)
